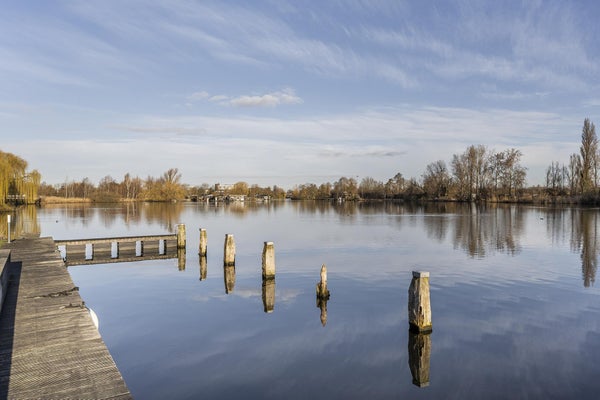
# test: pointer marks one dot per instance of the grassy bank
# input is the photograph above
(63, 200)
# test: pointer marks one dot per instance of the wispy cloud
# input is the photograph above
(198, 96)
(267, 100)
(367, 153)
(273, 99)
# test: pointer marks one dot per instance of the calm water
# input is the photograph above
(516, 312)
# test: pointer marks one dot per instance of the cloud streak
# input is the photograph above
(273, 99)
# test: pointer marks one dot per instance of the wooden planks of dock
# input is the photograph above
(49, 346)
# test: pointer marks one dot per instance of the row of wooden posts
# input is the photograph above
(268, 254)
(419, 301)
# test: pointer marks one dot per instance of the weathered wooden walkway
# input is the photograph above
(49, 346)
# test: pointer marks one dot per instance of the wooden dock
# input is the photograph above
(49, 346)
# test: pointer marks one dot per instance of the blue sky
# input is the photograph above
(281, 93)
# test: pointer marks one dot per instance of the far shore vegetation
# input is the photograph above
(477, 174)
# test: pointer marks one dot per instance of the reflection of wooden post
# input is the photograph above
(203, 268)
(126, 249)
(268, 260)
(322, 291)
(322, 304)
(181, 236)
(74, 252)
(419, 304)
(229, 276)
(229, 256)
(419, 355)
(203, 243)
(181, 259)
(268, 294)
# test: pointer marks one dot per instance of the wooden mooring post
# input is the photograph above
(322, 291)
(323, 295)
(268, 261)
(229, 251)
(181, 236)
(203, 243)
(419, 302)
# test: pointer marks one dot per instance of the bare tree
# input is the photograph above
(574, 172)
(371, 188)
(172, 176)
(470, 171)
(395, 186)
(436, 179)
(556, 178)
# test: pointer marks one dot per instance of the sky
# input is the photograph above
(284, 93)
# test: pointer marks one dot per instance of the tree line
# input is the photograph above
(166, 187)
(476, 174)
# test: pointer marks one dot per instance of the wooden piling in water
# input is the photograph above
(322, 291)
(181, 236)
(268, 260)
(203, 243)
(419, 302)
(229, 252)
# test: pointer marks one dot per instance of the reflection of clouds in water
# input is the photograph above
(507, 336)
(288, 343)
(281, 295)
(517, 311)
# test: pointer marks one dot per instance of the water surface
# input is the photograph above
(514, 301)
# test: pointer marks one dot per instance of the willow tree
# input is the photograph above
(31, 184)
(14, 179)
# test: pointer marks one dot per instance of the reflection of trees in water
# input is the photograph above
(582, 226)
(476, 229)
(558, 223)
(480, 229)
(23, 223)
(132, 213)
(167, 215)
(584, 238)
(81, 213)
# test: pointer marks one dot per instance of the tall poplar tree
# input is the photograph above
(588, 152)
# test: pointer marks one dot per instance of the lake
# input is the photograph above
(515, 307)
